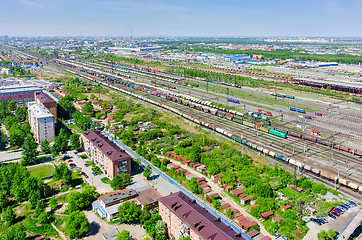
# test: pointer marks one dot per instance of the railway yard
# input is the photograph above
(343, 166)
(310, 134)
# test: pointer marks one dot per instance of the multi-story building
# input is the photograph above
(185, 218)
(20, 94)
(111, 159)
(41, 122)
(107, 205)
(48, 102)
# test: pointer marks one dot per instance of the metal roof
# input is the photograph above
(202, 222)
(328, 82)
(105, 145)
(39, 111)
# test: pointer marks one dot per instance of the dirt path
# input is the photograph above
(61, 234)
(216, 188)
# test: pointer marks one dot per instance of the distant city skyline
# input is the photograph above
(279, 18)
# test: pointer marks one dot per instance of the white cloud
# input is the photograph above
(32, 4)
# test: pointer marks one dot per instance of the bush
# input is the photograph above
(84, 156)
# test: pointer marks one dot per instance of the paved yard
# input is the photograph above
(98, 227)
(335, 224)
(92, 180)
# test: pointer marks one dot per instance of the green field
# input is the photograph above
(41, 171)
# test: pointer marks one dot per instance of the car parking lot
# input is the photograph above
(94, 180)
(337, 224)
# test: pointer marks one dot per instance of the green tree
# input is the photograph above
(39, 208)
(121, 181)
(9, 121)
(63, 172)
(4, 200)
(194, 187)
(4, 140)
(14, 233)
(161, 230)
(332, 234)
(195, 154)
(145, 214)
(74, 141)
(16, 136)
(129, 212)
(124, 235)
(323, 235)
(43, 217)
(88, 109)
(53, 203)
(21, 113)
(147, 172)
(76, 224)
(8, 216)
(45, 147)
(29, 153)
(34, 197)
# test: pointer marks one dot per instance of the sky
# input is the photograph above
(242, 18)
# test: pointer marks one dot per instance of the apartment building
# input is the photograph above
(111, 159)
(186, 218)
(41, 122)
(48, 102)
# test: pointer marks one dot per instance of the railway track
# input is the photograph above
(87, 77)
(341, 188)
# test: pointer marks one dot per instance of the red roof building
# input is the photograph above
(266, 215)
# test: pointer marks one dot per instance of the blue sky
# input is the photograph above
(329, 18)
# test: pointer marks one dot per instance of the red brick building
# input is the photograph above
(184, 217)
(111, 159)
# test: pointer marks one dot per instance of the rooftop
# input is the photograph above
(117, 196)
(44, 98)
(206, 225)
(105, 145)
(39, 111)
(18, 89)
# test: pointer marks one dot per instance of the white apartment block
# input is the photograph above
(41, 122)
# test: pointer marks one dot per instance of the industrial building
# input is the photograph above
(48, 102)
(110, 158)
(185, 218)
(18, 93)
(41, 122)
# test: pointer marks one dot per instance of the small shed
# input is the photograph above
(245, 200)
(252, 233)
(266, 215)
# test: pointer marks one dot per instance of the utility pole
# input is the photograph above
(207, 86)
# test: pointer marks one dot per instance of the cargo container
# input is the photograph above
(248, 124)
(233, 100)
(277, 133)
(353, 186)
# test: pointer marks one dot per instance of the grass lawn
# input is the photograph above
(41, 171)
(288, 192)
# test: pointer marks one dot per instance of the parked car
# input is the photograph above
(353, 203)
(70, 160)
(323, 220)
(284, 238)
(336, 213)
(95, 174)
(276, 236)
(86, 176)
(72, 165)
(331, 215)
(316, 221)
(85, 164)
(82, 173)
(339, 210)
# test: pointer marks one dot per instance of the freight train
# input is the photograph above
(245, 141)
(216, 110)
